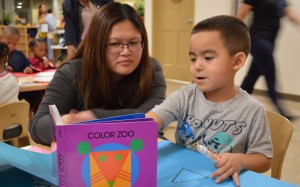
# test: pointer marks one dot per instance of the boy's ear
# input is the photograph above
(239, 61)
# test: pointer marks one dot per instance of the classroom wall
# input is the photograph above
(287, 53)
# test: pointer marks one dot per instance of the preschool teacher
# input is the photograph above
(110, 74)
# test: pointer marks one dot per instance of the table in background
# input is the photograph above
(34, 81)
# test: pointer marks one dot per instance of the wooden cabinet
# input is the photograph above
(24, 38)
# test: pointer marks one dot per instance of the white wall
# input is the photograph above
(287, 53)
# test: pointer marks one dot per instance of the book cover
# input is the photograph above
(110, 153)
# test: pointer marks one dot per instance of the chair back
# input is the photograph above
(281, 133)
(14, 119)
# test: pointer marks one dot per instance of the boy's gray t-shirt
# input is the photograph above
(238, 125)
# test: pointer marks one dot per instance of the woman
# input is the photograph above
(77, 16)
(42, 13)
(111, 74)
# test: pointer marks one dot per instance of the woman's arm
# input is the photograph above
(70, 18)
(62, 92)
(243, 11)
(292, 15)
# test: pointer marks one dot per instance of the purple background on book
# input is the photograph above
(144, 130)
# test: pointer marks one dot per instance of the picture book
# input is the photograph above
(112, 152)
(37, 166)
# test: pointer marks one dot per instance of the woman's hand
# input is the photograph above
(77, 116)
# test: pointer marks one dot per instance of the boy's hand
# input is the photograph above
(9, 69)
(28, 70)
(228, 165)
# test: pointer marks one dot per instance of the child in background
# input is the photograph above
(214, 112)
(17, 60)
(9, 85)
(39, 61)
(19, 63)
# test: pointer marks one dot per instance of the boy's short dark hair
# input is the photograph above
(4, 50)
(234, 32)
(10, 30)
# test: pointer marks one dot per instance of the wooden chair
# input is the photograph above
(14, 119)
(281, 133)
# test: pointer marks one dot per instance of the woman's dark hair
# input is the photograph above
(95, 84)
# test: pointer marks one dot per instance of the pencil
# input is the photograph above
(203, 150)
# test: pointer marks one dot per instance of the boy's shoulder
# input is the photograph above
(188, 91)
(8, 76)
(190, 88)
(246, 99)
(17, 52)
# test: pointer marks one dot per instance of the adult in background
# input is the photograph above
(77, 16)
(42, 13)
(51, 20)
(110, 74)
(263, 31)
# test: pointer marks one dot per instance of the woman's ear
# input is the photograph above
(239, 61)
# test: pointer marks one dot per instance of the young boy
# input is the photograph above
(214, 112)
(9, 85)
(17, 60)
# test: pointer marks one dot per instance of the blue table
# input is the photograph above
(177, 167)
(180, 167)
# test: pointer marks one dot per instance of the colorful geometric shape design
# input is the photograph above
(110, 165)
(114, 169)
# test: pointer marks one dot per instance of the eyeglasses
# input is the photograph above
(117, 47)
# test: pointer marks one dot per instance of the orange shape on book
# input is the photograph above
(110, 168)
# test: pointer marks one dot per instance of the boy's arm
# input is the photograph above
(28, 69)
(230, 164)
(156, 119)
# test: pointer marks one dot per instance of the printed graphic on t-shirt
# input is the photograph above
(223, 132)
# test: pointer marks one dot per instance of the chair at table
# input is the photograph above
(281, 133)
(14, 119)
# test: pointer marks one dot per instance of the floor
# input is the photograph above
(291, 166)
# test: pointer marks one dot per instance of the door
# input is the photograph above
(172, 26)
